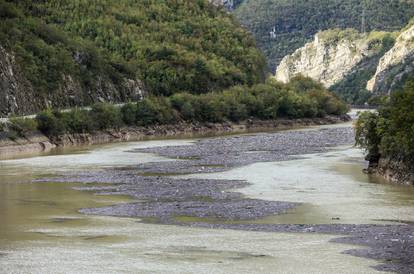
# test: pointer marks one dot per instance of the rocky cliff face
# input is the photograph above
(229, 4)
(395, 65)
(17, 95)
(330, 57)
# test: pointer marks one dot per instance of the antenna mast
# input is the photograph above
(364, 15)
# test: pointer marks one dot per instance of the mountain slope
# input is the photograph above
(71, 53)
(343, 60)
(295, 22)
(396, 65)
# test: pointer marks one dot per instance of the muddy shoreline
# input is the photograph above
(165, 198)
(36, 142)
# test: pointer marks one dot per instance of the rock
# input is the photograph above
(16, 93)
(331, 56)
(396, 64)
(394, 170)
(18, 96)
(229, 4)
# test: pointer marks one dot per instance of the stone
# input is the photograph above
(397, 63)
(330, 57)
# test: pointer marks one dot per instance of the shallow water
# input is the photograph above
(41, 230)
(331, 186)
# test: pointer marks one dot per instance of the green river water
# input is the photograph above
(41, 230)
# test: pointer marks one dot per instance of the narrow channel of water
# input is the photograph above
(41, 230)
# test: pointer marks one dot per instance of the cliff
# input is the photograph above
(332, 56)
(395, 65)
(228, 4)
(18, 96)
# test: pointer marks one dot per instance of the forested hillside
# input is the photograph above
(294, 22)
(93, 46)
(101, 50)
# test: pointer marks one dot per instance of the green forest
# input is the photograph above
(296, 21)
(172, 46)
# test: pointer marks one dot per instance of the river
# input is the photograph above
(43, 231)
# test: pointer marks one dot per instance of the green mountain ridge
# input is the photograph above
(295, 22)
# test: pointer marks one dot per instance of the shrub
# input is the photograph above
(3, 127)
(234, 109)
(184, 104)
(105, 116)
(366, 134)
(50, 124)
(23, 126)
(147, 113)
(166, 113)
(77, 121)
(208, 109)
(129, 114)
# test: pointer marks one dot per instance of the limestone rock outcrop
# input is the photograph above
(331, 56)
(395, 65)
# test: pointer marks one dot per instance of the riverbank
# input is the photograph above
(36, 142)
(393, 171)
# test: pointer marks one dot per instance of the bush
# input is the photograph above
(166, 113)
(147, 113)
(50, 124)
(184, 104)
(234, 109)
(3, 127)
(77, 121)
(129, 114)
(23, 126)
(105, 116)
(208, 108)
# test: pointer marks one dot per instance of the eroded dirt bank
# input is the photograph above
(163, 197)
(36, 142)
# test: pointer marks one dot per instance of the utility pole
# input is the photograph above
(364, 15)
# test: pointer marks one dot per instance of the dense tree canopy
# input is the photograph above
(172, 45)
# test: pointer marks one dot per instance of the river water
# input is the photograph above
(41, 230)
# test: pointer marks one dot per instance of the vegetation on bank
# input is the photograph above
(172, 46)
(301, 98)
(389, 133)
